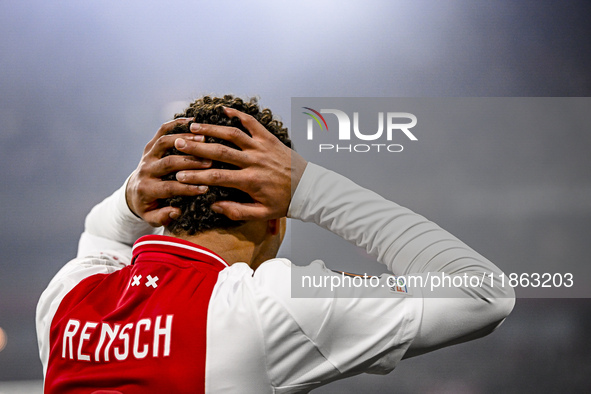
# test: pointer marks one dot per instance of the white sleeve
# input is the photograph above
(313, 340)
(111, 226)
(407, 243)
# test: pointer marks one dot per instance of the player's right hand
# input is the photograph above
(145, 186)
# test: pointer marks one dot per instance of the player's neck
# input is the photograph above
(228, 245)
(244, 244)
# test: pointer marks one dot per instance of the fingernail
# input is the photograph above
(180, 176)
(216, 209)
(198, 138)
(202, 189)
(174, 215)
(206, 162)
(195, 126)
(180, 143)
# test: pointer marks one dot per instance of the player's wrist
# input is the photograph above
(129, 195)
(298, 166)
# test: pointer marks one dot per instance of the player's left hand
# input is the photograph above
(145, 186)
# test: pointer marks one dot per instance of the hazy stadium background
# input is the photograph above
(84, 85)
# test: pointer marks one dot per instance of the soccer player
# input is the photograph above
(207, 307)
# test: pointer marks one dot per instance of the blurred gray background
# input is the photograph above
(84, 85)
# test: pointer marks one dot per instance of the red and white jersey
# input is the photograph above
(180, 319)
(174, 316)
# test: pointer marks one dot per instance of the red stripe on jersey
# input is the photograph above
(141, 329)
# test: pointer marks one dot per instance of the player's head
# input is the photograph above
(197, 216)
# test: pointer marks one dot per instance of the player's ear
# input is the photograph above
(274, 226)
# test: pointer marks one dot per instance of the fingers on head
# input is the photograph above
(236, 136)
(162, 216)
(216, 152)
(227, 155)
(228, 208)
(164, 129)
(168, 126)
(167, 142)
(167, 189)
(241, 211)
(247, 121)
(227, 133)
(212, 177)
(174, 163)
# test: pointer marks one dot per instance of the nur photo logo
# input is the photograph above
(391, 125)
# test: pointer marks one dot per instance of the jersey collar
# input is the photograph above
(176, 246)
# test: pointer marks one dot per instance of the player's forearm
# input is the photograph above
(410, 245)
(407, 243)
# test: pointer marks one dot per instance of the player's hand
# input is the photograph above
(268, 170)
(145, 186)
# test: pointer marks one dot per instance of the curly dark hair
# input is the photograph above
(197, 215)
